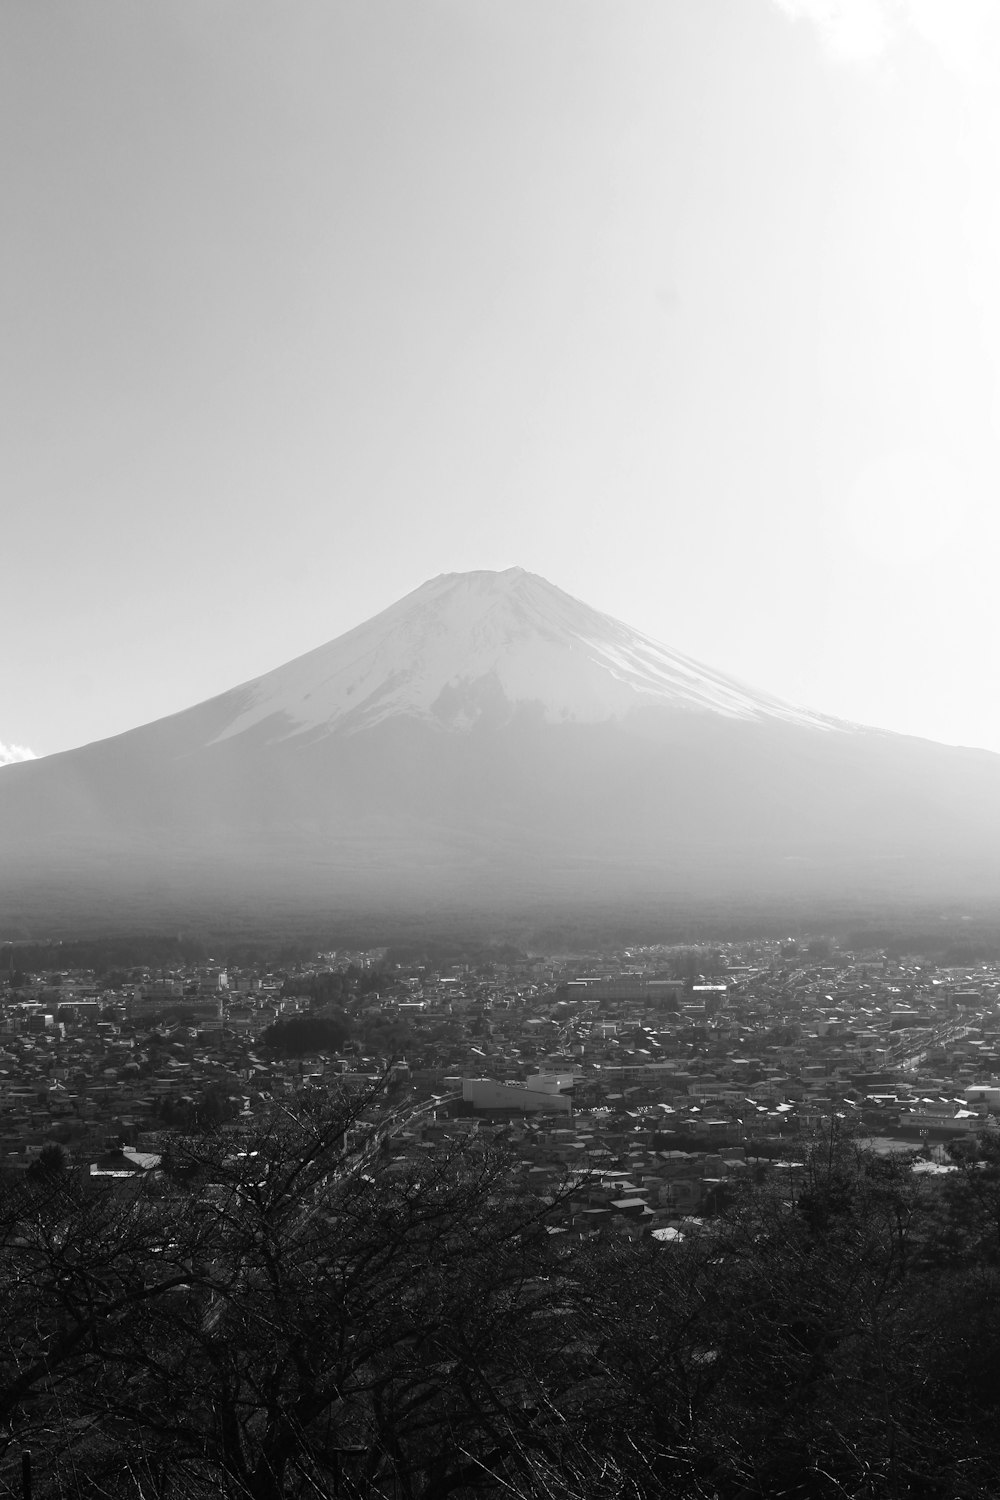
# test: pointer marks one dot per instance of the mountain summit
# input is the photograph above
(489, 750)
(472, 648)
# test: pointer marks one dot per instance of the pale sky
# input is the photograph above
(691, 306)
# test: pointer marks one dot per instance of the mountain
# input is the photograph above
(474, 648)
(489, 750)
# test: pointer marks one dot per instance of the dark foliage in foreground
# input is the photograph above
(295, 1311)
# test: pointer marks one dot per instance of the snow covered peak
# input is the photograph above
(470, 648)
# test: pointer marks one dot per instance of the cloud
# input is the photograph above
(864, 30)
(11, 753)
(852, 30)
(958, 30)
(965, 37)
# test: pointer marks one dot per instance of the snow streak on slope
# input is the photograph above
(467, 648)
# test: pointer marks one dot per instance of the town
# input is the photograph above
(654, 1080)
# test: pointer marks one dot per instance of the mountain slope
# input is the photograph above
(468, 647)
(486, 749)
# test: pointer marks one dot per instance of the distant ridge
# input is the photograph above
(488, 749)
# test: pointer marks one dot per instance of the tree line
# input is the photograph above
(298, 1307)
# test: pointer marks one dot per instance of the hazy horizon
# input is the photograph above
(688, 306)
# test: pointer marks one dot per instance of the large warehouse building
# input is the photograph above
(541, 1092)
